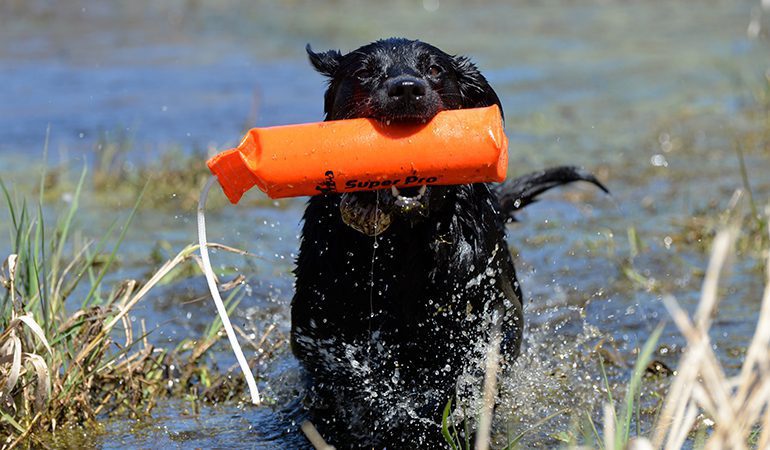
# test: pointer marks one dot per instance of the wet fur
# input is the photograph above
(384, 332)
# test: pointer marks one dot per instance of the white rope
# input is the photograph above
(209, 272)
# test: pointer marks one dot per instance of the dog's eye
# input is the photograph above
(363, 74)
(435, 71)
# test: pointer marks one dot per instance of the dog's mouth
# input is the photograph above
(410, 199)
(372, 212)
(407, 119)
(406, 113)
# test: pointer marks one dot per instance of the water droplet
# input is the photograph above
(659, 160)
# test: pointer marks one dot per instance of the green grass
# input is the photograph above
(630, 412)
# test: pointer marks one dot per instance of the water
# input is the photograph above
(649, 95)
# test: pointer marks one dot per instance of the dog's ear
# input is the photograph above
(474, 88)
(324, 62)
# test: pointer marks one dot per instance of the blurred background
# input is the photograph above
(668, 103)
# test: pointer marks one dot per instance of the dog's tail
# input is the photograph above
(517, 193)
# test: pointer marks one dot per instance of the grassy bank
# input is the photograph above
(69, 351)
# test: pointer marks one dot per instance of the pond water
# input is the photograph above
(649, 95)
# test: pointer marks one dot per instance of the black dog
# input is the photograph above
(396, 289)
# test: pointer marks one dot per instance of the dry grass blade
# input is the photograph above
(126, 289)
(738, 407)
(265, 334)
(43, 385)
(127, 332)
(483, 434)
(226, 248)
(674, 414)
(709, 370)
(681, 389)
(723, 243)
(5, 342)
(10, 265)
(14, 357)
(640, 444)
(609, 427)
(764, 437)
(124, 309)
(683, 425)
(756, 355)
(43, 390)
(232, 284)
(57, 292)
(25, 434)
(314, 436)
(29, 321)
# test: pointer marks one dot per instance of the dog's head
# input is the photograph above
(396, 81)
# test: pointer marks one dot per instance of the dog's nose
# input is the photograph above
(406, 88)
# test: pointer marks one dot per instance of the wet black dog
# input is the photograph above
(396, 290)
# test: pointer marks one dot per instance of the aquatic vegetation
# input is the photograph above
(734, 407)
(69, 350)
(704, 405)
(699, 405)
